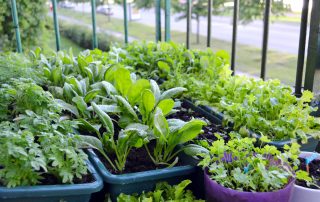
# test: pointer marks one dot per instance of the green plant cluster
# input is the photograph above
(82, 36)
(240, 165)
(122, 110)
(163, 192)
(32, 14)
(264, 107)
(35, 141)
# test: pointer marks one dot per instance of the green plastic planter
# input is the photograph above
(137, 182)
(310, 146)
(214, 116)
(53, 193)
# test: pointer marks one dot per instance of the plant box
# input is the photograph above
(300, 193)
(218, 193)
(213, 115)
(140, 181)
(53, 193)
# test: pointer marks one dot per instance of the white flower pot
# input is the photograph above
(302, 194)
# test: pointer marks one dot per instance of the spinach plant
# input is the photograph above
(170, 133)
(119, 145)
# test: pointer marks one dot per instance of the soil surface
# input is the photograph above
(314, 171)
(209, 130)
(52, 180)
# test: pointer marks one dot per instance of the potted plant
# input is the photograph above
(239, 171)
(307, 186)
(40, 157)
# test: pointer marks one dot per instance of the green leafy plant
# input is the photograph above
(20, 95)
(170, 133)
(119, 145)
(27, 156)
(240, 165)
(163, 192)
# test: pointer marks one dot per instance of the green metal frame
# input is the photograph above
(16, 24)
(158, 19)
(94, 25)
(56, 24)
(125, 20)
(167, 20)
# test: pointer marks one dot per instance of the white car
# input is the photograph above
(105, 9)
(66, 4)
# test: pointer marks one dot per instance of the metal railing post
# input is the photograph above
(313, 46)
(16, 25)
(56, 24)
(94, 25)
(125, 20)
(158, 20)
(302, 47)
(266, 22)
(209, 23)
(189, 9)
(234, 35)
(167, 35)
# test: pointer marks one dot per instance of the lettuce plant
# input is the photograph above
(163, 192)
(240, 165)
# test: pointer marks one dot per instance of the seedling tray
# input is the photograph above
(53, 193)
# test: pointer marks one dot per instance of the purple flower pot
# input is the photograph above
(217, 193)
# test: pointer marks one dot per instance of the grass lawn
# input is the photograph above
(279, 65)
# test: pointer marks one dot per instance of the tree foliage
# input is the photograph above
(31, 14)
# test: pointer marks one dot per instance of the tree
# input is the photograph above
(32, 15)
(249, 9)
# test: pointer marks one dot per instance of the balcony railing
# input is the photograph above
(312, 48)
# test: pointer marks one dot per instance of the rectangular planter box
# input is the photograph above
(137, 182)
(53, 193)
(213, 115)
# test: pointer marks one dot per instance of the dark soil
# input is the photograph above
(209, 130)
(314, 171)
(137, 161)
(49, 179)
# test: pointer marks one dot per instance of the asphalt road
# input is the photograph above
(282, 37)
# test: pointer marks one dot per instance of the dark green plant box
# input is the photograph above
(214, 116)
(137, 182)
(53, 193)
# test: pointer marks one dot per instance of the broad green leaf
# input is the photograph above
(107, 108)
(88, 126)
(127, 107)
(68, 92)
(166, 106)
(122, 80)
(172, 92)
(104, 118)
(56, 74)
(76, 85)
(91, 94)
(134, 94)
(81, 104)
(190, 130)
(88, 141)
(194, 149)
(148, 101)
(164, 66)
(109, 88)
(68, 107)
(155, 89)
(161, 128)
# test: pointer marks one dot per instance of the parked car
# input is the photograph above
(66, 4)
(105, 9)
